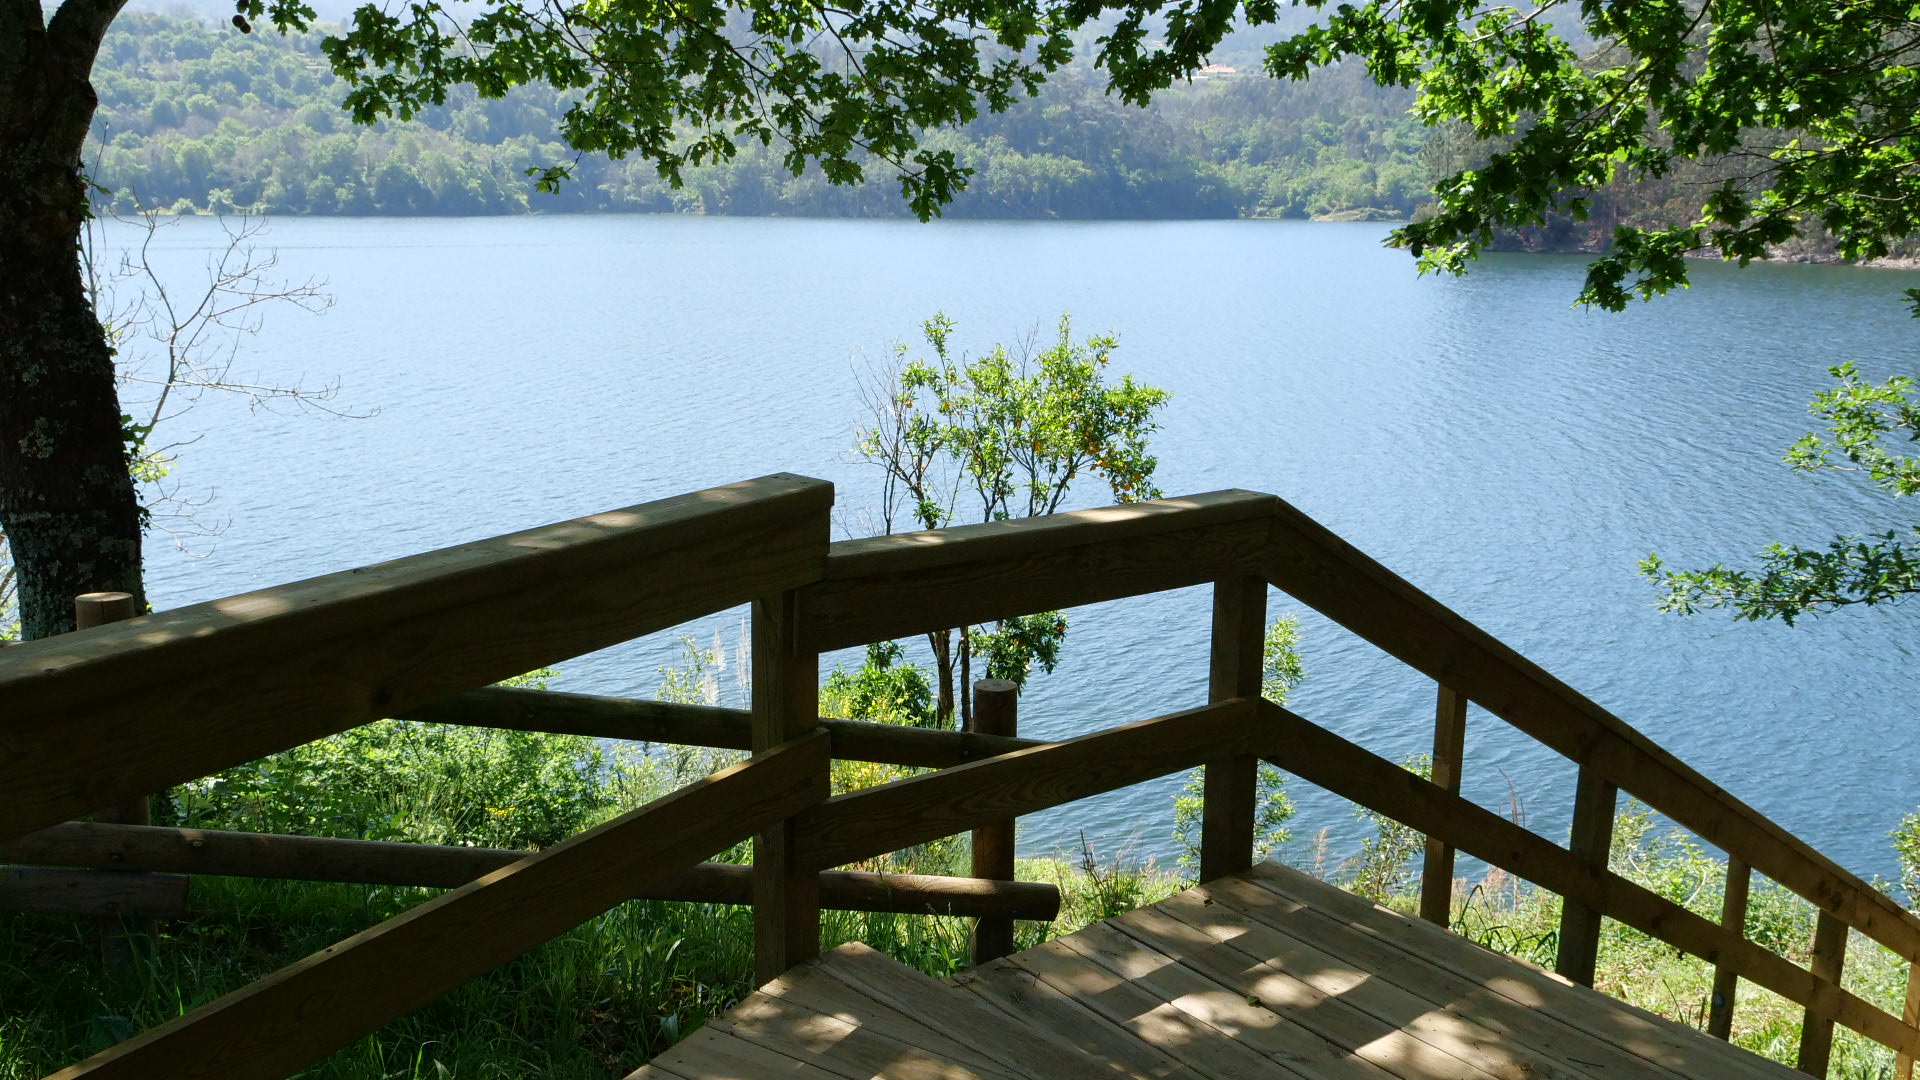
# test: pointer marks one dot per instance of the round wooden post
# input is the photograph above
(996, 705)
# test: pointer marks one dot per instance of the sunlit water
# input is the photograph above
(1507, 453)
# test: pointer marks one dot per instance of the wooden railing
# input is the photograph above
(105, 715)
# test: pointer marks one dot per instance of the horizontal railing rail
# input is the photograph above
(98, 846)
(639, 720)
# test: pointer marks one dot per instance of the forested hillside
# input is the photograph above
(199, 116)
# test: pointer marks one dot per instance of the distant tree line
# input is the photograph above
(201, 117)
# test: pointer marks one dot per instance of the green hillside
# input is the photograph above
(197, 116)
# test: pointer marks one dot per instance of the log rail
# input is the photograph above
(222, 683)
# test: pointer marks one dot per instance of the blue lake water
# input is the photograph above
(1508, 453)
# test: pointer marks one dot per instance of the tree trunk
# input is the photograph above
(941, 641)
(67, 503)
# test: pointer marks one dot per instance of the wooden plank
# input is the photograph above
(1224, 1009)
(1531, 1004)
(1733, 916)
(841, 1045)
(905, 1017)
(713, 1053)
(1017, 1048)
(1140, 1013)
(999, 541)
(1460, 1016)
(183, 693)
(1323, 758)
(1023, 998)
(1328, 1000)
(862, 824)
(954, 589)
(786, 706)
(996, 711)
(638, 720)
(381, 862)
(310, 1008)
(1595, 803)
(93, 892)
(1449, 754)
(1816, 1026)
(1235, 670)
(1336, 579)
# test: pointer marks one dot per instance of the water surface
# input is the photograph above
(1508, 453)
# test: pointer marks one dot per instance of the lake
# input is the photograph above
(1506, 452)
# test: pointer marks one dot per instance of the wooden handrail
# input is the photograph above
(304, 1011)
(180, 694)
(911, 583)
(1328, 574)
(1323, 758)
(640, 720)
(99, 846)
(184, 693)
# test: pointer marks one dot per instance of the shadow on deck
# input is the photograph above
(1269, 973)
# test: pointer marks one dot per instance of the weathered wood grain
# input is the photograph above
(1326, 573)
(304, 1011)
(862, 824)
(183, 693)
(381, 862)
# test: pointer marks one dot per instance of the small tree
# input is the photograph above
(999, 437)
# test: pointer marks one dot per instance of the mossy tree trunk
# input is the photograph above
(67, 503)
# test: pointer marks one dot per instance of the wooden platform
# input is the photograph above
(1269, 974)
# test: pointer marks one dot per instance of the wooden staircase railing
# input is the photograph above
(176, 695)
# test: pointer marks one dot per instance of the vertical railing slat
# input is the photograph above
(786, 705)
(1594, 803)
(1449, 750)
(1232, 780)
(1733, 916)
(1816, 1028)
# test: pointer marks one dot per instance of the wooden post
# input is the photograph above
(1903, 1064)
(996, 705)
(1232, 780)
(117, 931)
(786, 705)
(1594, 803)
(1816, 1029)
(1733, 916)
(1449, 748)
(98, 609)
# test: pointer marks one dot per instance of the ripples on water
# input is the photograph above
(1507, 453)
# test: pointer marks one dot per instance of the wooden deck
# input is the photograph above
(1267, 974)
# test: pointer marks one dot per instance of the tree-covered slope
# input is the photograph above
(201, 116)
